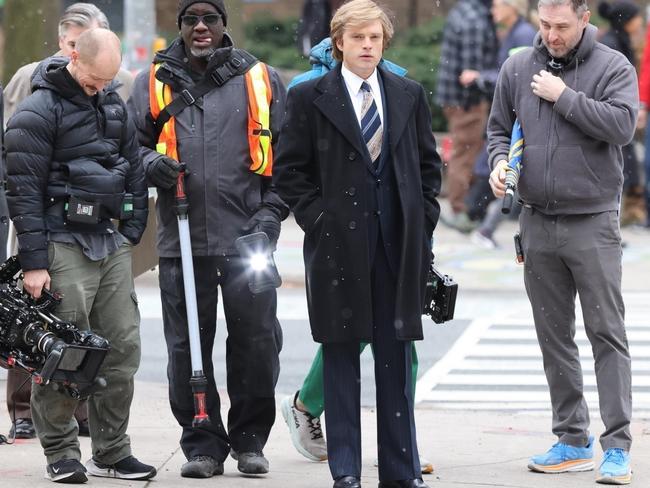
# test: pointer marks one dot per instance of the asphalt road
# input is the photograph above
(299, 349)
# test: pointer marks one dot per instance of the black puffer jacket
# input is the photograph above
(61, 142)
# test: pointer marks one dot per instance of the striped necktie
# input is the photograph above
(370, 123)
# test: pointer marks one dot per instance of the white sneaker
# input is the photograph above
(306, 433)
(426, 466)
(480, 239)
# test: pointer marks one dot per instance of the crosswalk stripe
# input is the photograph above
(513, 396)
(525, 321)
(497, 365)
(536, 365)
(532, 350)
(633, 335)
(521, 379)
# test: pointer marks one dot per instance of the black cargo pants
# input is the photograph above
(252, 355)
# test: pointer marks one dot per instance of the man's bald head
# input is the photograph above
(96, 59)
(101, 48)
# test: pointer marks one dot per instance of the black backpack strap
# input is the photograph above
(239, 63)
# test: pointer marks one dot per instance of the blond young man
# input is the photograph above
(366, 200)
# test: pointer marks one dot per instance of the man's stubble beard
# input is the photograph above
(203, 53)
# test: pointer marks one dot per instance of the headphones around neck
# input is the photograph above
(555, 66)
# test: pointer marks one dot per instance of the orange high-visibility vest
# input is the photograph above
(258, 90)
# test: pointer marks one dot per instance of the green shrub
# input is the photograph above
(274, 42)
(418, 50)
(265, 29)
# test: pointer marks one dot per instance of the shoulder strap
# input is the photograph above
(239, 63)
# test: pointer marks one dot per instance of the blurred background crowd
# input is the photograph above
(454, 48)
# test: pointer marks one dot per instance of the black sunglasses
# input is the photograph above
(207, 19)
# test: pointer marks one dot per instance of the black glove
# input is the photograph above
(163, 172)
(264, 220)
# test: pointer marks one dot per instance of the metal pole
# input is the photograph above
(139, 33)
(198, 381)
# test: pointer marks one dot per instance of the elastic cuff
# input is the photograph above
(575, 440)
(115, 456)
(72, 452)
(614, 444)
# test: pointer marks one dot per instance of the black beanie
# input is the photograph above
(218, 4)
(618, 13)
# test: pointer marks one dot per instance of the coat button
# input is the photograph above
(352, 156)
(352, 191)
(378, 181)
(352, 225)
(377, 213)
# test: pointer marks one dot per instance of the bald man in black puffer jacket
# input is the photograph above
(73, 168)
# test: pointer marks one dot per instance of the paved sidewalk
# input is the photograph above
(468, 448)
(474, 449)
(474, 267)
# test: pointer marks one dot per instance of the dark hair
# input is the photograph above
(618, 13)
(578, 6)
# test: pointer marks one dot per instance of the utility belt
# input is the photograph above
(82, 211)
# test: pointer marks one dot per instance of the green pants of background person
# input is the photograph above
(311, 393)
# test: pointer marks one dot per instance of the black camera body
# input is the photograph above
(440, 296)
(34, 339)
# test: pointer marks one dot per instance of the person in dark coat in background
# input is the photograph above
(4, 211)
(626, 23)
(357, 163)
(314, 23)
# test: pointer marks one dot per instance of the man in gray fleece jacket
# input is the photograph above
(577, 102)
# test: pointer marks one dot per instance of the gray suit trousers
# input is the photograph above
(565, 255)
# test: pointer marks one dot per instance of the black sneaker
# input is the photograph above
(201, 467)
(128, 468)
(67, 471)
(22, 429)
(250, 462)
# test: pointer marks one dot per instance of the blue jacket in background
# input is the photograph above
(322, 61)
(521, 35)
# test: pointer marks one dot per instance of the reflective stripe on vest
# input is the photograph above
(160, 95)
(259, 93)
(258, 89)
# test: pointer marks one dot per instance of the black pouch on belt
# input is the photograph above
(80, 211)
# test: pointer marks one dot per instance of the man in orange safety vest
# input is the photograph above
(216, 109)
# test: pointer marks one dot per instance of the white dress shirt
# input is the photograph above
(353, 84)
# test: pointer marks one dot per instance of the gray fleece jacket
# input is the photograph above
(572, 162)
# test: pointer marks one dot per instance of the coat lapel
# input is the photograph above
(399, 105)
(335, 104)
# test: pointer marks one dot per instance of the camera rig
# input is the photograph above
(440, 296)
(34, 339)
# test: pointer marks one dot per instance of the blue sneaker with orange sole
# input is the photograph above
(562, 458)
(615, 468)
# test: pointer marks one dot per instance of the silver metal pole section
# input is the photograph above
(190, 296)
